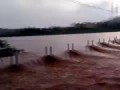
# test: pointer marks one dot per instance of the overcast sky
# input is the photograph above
(47, 13)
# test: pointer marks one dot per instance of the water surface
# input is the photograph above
(37, 44)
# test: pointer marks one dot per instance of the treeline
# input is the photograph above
(107, 26)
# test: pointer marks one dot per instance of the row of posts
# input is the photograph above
(49, 50)
(92, 42)
(14, 59)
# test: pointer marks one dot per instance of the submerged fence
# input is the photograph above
(50, 50)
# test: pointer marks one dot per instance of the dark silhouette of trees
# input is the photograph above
(106, 26)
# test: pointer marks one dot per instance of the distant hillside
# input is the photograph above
(111, 25)
(114, 20)
(3, 31)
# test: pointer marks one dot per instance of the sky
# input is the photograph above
(48, 13)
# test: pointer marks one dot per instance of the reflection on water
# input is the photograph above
(59, 43)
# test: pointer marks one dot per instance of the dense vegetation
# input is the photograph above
(107, 26)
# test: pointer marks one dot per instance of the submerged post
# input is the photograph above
(109, 40)
(87, 46)
(88, 43)
(68, 46)
(72, 46)
(51, 50)
(92, 42)
(46, 50)
(16, 58)
(103, 40)
(99, 40)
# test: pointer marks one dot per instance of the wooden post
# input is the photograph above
(72, 46)
(68, 46)
(46, 50)
(109, 40)
(87, 46)
(99, 40)
(51, 50)
(92, 42)
(88, 43)
(16, 58)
